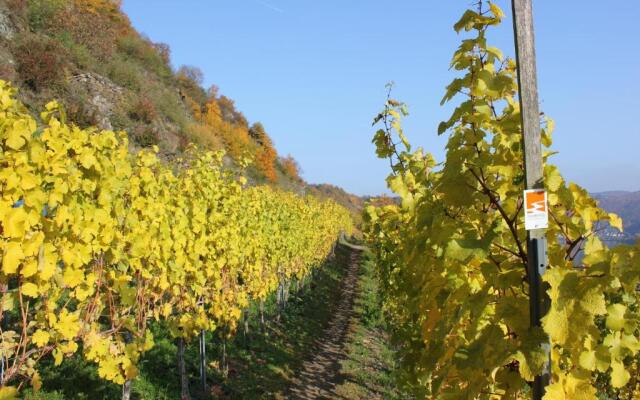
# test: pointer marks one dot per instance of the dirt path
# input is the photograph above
(343, 241)
(320, 374)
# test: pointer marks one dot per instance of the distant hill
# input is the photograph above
(626, 205)
(350, 201)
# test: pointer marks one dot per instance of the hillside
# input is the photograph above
(86, 54)
(349, 201)
(627, 206)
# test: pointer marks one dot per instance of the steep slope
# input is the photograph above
(87, 54)
(351, 202)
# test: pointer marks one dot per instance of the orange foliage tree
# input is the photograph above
(290, 167)
(265, 160)
(235, 137)
(265, 163)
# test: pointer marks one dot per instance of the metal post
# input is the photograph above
(203, 361)
(534, 172)
(538, 305)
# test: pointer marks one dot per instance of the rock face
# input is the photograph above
(103, 95)
(7, 30)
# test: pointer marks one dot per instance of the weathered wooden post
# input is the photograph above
(535, 198)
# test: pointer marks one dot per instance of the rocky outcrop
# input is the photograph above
(103, 96)
(7, 29)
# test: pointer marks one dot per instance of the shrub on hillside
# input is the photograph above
(168, 104)
(190, 73)
(95, 24)
(144, 51)
(125, 73)
(145, 135)
(41, 14)
(18, 8)
(41, 60)
(236, 137)
(164, 51)
(189, 80)
(79, 53)
(78, 107)
(144, 110)
(203, 135)
(8, 72)
(120, 119)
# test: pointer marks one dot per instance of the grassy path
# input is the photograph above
(368, 365)
(352, 359)
(321, 373)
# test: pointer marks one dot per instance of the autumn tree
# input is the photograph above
(265, 160)
(189, 80)
(290, 167)
(192, 73)
(229, 112)
(259, 134)
(164, 51)
(235, 137)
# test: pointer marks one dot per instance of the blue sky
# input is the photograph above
(313, 72)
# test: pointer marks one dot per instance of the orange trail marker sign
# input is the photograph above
(536, 211)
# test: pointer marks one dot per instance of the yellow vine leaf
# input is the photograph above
(615, 318)
(40, 337)
(8, 393)
(12, 257)
(36, 381)
(14, 222)
(619, 374)
(30, 289)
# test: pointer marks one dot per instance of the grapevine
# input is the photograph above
(453, 258)
(96, 242)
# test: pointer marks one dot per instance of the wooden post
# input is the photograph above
(262, 324)
(245, 323)
(279, 299)
(534, 171)
(223, 360)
